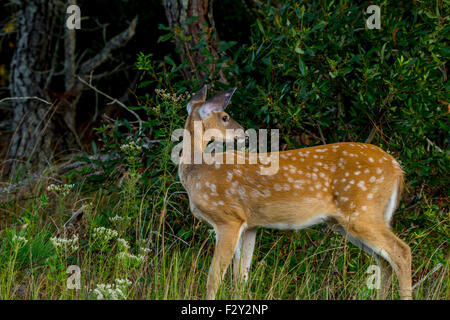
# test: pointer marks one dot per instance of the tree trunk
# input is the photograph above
(32, 123)
(188, 36)
(42, 128)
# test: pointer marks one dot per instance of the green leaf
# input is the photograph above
(299, 50)
(301, 66)
(94, 147)
(165, 37)
(169, 61)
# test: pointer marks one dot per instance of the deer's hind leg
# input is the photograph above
(399, 257)
(377, 237)
(386, 277)
(385, 267)
(244, 253)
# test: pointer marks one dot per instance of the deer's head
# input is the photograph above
(212, 116)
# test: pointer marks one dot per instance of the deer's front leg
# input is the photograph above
(227, 238)
(244, 253)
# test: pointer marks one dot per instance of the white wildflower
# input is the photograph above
(123, 283)
(131, 148)
(115, 218)
(64, 244)
(172, 97)
(104, 234)
(130, 258)
(61, 189)
(19, 240)
(123, 244)
(118, 219)
(108, 292)
(145, 250)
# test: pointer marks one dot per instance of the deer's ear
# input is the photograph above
(216, 104)
(198, 97)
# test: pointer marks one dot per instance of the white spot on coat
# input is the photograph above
(361, 184)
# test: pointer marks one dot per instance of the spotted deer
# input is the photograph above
(352, 187)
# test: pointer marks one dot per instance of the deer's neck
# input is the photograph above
(193, 146)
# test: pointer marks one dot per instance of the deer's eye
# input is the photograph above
(225, 118)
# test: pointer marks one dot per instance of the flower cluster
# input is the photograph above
(172, 97)
(19, 241)
(131, 148)
(66, 245)
(104, 234)
(108, 292)
(123, 283)
(111, 292)
(116, 218)
(145, 250)
(126, 256)
(144, 247)
(123, 244)
(61, 189)
(130, 258)
(119, 220)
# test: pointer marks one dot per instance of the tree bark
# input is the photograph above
(30, 66)
(189, 36)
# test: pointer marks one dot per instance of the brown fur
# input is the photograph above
(347, 185)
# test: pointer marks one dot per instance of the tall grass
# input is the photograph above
(311, 264)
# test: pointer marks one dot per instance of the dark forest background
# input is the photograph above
(101, 21)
